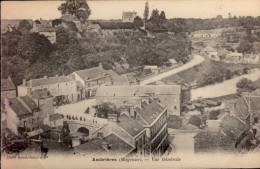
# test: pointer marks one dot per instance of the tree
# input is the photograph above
(106, 108)
(155, 15)
(138, 22)
(162, 16)
(79, 8)
(24, 26)
(245, 46)
(34, 47)
(146, 11)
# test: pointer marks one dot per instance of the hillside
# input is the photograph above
(71, 52)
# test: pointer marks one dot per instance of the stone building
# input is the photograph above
(128, 16)
(45, 28)
(57, 86)
(144, 128)
(168, 95)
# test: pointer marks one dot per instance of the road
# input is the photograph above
(183, 142)
(197, 59)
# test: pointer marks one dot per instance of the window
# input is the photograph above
(175, 107)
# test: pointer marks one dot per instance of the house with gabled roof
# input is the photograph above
(20, 113)
(45, 28)
(57, 86)
(144, 128)
(8, 90)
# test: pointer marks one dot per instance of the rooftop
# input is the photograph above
(41, 94)
(18, 107)
(150, 111)
(56, 116)
(48, 81)
(233, 127)
(92, 73)
(129, 14)
(117, 146)
(44, 26)
(29, 102)
(138, 90)
(130, 125)
(7, 84)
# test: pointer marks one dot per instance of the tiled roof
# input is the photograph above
(29, 102)
(45, 26)
(241, 109)
(7, 84)
(117, 146)
(208, 140)
(41, 94)
(90, 147)
(233, 127)
(92, 73)
(18, 107)
(56, 116)
(138, 90)
(150, 111)
(129, 125)
(49, 81)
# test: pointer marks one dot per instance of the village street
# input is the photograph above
(182, 143)
(197, 59)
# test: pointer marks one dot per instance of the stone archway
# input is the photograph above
(83, 131)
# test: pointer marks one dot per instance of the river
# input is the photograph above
(224, 88)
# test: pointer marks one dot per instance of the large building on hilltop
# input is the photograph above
(168, 95)
(129, 16)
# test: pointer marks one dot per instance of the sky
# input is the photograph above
(113, 9)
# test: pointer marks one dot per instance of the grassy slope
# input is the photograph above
(199, 72)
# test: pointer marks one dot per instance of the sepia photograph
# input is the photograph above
(130, 84)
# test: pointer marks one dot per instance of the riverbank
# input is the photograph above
(226, 87)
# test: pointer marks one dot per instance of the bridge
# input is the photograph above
(83, 124)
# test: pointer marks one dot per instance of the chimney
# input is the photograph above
(112, 118)
(24, 82)
(45, 77)
(106, 146)
(100, 65)
(131, 111)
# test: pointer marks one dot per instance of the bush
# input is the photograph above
(195, 120)
(174, 122)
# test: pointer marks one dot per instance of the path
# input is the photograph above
(197, 59)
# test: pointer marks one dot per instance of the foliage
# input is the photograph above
(106, 108)
(213, 115)
(195, 120)
(174, 122)
(34, 47)
(245, 46)
(138, 22)
(245, 84)
(24, 26)
(146, 11)
(162, 16)
(79, 8)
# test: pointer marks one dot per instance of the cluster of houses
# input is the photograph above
(230, 57)
(140, 128)
(234, 128)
